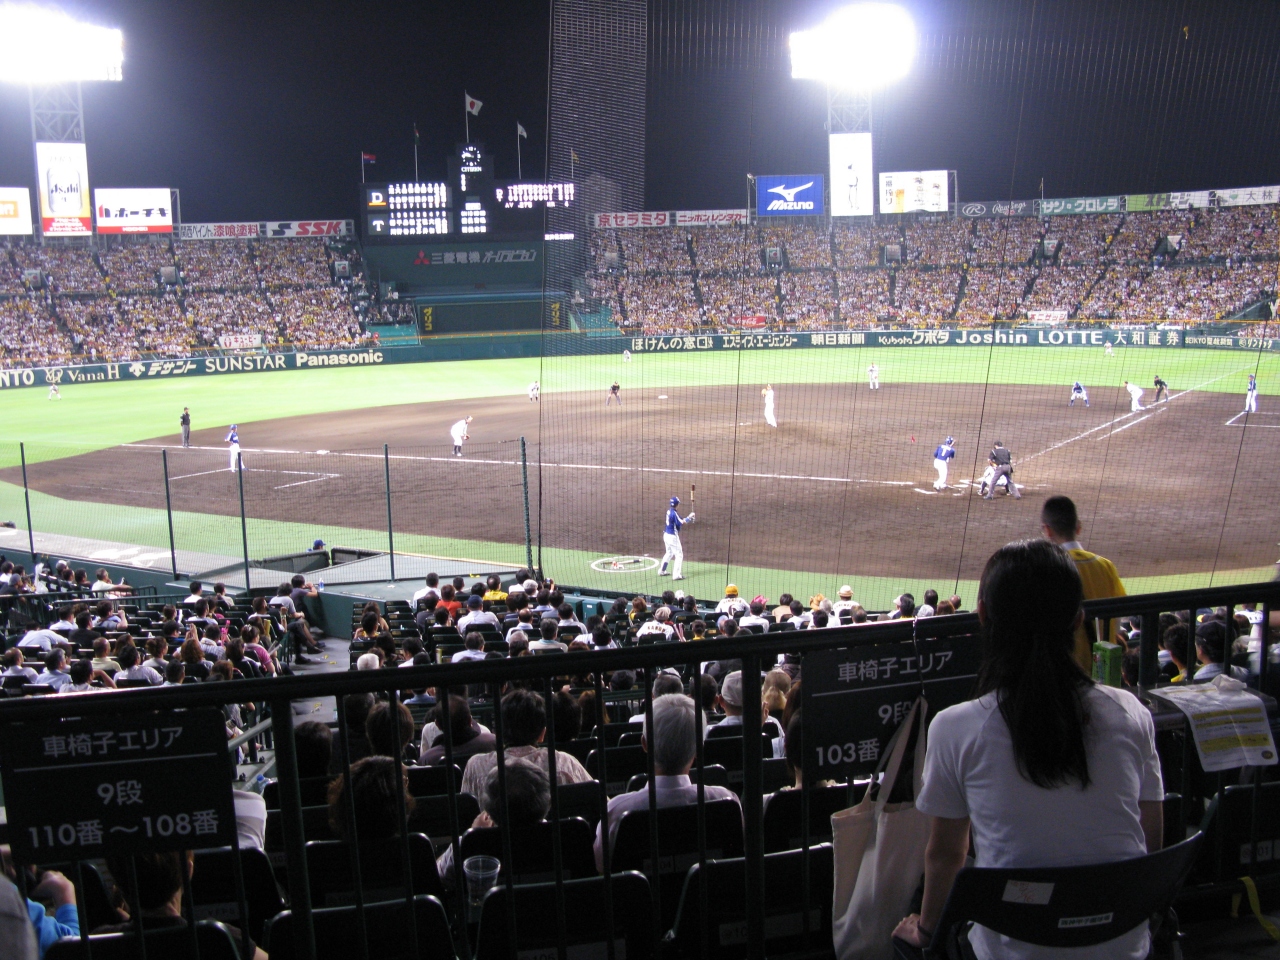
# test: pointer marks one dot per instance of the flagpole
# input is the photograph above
(519, 167)
(415, 154)
(466, 118)
(362, 166)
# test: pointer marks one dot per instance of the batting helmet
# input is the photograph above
(675, 501)
(949, 441)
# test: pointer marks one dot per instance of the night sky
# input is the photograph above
(261, 110)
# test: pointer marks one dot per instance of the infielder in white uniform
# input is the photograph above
(873, 377)
(769, 416)
(233, 450)
(534, 391)
(671, 537)
(1251, 395)
(1135, 397)
(459, 433)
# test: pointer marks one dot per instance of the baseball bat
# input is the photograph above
(693, 490)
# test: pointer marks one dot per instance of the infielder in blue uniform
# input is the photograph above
(1078, 393)
(1251, 395)
(944, 452)
(671, 537)
(233, 448)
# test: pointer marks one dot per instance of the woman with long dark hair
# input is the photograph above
(1046, 767)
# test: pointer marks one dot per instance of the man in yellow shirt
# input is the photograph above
(1061, 525)
(495, 593)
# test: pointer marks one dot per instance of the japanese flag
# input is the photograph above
(473, 105)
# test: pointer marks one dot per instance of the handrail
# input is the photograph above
(633, 658)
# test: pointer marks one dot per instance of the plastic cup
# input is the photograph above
(481, 874)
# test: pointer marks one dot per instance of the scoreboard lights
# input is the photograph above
(526, 196)
(418, 196)
(473, 218)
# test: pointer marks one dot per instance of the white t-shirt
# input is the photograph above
(970, 771)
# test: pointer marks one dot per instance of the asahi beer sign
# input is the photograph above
(63, 171)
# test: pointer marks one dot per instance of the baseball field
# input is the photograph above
(1178, 494)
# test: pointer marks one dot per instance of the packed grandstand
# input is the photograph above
(62, 305)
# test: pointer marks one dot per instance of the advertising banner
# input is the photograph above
(307, 228)
(852, 185)
(63, 172)
(1047, 316)
(1248, 196)
(218, 231)
(15, 211)
(239, 341)
(999, 208)
(637, 218)
(910, 190)
(1054, 208)
(141, 210)
(1142, 202)
(799, 195)
(710, 218)
(1193, 199)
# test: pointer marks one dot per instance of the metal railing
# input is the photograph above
(757, 652)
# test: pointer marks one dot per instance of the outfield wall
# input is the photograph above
(506, 346)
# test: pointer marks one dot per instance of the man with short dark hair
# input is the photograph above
(54, 673)
(432, 587)
(524, 723)
(547, 642)
(1060, 524)
(195, 593)
(1001, 461)
(473, 648)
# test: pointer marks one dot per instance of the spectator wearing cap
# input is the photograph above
(673, 743)
(1211, 652)
(476, 616)
(317, 546)
(657, 630)
(732, 604)
(904, 608)
(756, 615)
(729, 700)
(845, 601)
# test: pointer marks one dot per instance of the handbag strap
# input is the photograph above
(891, 763)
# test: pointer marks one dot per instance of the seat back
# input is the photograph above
(621, 764)
(713, 775)
(585, 915)
(725, 919)
(1239, 838)
(431, 815)
(214, 892)
(609, 733)
(581, 800)
(213, 941)
(1068, 906)
(314, 790)
(338, 932)
(533, 850)
(783, 819)
(677, 845)
(333, 884)
(432, 781)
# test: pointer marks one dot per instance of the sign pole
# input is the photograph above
(524, 475)
(244, 526)
(26, 496)
(391, 537)
(168, 509)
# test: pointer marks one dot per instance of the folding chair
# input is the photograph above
(621, 764)
(338, 932)
(677, 845)
(782, 815)
(585, 927)
(213, 941)
(784, 897)
(432, 781)
(1063, 906)
(214, 894)
(581, 800)
(534, 850)
(332, 882)
(713, 775)
(1240, 840)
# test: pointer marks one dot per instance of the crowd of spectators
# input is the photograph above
(216, 264)
(809, 299)
(860, 245)
(926, 296)
(655, 251)
(97, 329)
(937, 242)
(293, 261)
(64, 269)
(864, 296)
(992, 294)
(1081, 239)
(1140, 233)
(727, 299)
(135, 267)
(660, 303)
(316, 318)
(1229, 234)
(803, 246)
(29, 335)
(1059, 288)
(215, 314)
(1011, 241)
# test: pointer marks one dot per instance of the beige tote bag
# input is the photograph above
(879, 854)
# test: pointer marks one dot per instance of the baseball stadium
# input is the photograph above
(733, 443)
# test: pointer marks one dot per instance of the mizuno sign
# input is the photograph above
(789, 196)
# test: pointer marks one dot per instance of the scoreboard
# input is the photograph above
(470, 205)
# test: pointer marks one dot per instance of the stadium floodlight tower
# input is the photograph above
(857, 50)
(52, 54)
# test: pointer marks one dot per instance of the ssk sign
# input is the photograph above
(307, 228)
(796, 196)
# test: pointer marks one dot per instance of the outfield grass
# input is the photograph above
(99, 415)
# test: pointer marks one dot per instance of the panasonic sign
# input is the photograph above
(794, 196)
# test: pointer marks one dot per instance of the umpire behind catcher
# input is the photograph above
(1001, 460)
